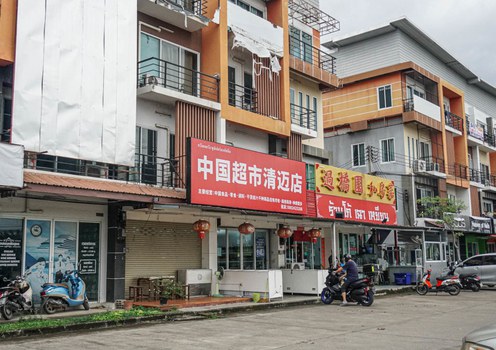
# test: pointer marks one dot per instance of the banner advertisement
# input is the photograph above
(355, 196)
(10, 247)
(64, 249)
(89, 257)
(221, 175)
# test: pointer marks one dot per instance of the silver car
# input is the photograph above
(481, 339)
(484, 265)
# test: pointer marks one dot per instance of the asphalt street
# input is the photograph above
(395, 322)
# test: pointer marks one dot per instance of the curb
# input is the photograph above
(170, 317)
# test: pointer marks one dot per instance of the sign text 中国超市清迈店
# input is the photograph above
(222, 175)
(357, 196)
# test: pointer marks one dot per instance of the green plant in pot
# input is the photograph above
(170, 290)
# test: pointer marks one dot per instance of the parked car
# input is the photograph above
(481, 339)
(483, 265)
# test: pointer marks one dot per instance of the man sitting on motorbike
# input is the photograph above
(351, 270)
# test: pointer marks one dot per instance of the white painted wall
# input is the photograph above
(247, 138)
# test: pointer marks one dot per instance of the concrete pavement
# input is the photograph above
(397, 322)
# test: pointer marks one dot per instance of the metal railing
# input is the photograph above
(453, 121)
(154, 71)
(425, 164)
(148, 169)
(408, 105)
(482, 178)
(481, 134)
(243, 97)
(303, 117)
(458, 170)
(312, 55)
(198, 7)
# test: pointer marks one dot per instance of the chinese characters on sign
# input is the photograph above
(357, 196)
(232, 177)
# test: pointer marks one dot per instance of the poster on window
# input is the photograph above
(10, 248)
(64, 255)
(89, 257)
(37, 254)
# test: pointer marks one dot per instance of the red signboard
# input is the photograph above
(226, 176)
(356, 210)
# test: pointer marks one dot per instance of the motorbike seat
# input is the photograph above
(443, 278)
(357, 282)
(63, 285)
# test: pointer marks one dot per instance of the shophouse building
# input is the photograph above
(409, 111)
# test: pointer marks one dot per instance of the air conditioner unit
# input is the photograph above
(94, 170)
(419, 165)
(148, 80)
(298, 266)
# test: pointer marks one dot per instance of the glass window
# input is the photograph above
(11, 232)
(234, 255)
(387, 150)
(385, 99)
(256, 12)
(490, 260)
(306, 40)
(261, 250)
(248, 260)
(310, 177)
(221, 248)
(358, 154)
(475, 261)
(244, 252)
(433, 251)
(294, 42)
(244, 5)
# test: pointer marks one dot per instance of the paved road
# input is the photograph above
(399, 322)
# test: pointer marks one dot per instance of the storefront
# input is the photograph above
(51, 238)
(476, 235)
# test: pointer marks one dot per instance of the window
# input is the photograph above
(487, 207)
(248, 7)
(5, 119)
(475, 261)
(484, 172)
(425, 152)
(490, 260)
(387, 150)
(358, 154)
(242, 252)
(433, 251)
(256, 12)
(300, 44)
(146, 156)
(491, 247)
(384, 97)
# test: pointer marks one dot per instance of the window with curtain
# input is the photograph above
(387, 150)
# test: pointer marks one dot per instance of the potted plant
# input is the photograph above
(170, 289)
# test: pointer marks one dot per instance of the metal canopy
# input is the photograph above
(310, 15)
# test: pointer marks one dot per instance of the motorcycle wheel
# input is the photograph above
(48, 307)
(370, 299)
(326, 296)
(475, 287)
(7, 313)
(86, 304)
(421, 289)
(454, 290)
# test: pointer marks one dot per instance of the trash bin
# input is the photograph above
(403, 278)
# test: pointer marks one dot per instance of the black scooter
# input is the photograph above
(360, 291)
(468, 281)
(16, 297)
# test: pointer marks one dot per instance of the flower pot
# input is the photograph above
(163, 300)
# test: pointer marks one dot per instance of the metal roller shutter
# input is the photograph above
(159, 249)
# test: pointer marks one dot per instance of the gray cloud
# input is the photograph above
(466, 29)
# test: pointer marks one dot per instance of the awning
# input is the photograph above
(434, 223)
(492, 239)
(378, 237)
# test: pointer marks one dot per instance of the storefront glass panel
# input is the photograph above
(37, 257)
(89, 257)
(246, 252)
(261, 250)
(10, 247)
(234, 249)
(64, 249)
(221, 248)
(248, 260)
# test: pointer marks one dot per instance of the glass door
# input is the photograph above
(171, 71)
(150, 53)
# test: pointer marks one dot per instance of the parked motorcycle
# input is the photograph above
(468, 281)
(16, 297)
(448, 284)
(59, 296)
(361, 291)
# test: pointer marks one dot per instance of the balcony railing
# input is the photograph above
(154, 71)
(458, 170)
(312, 55)
(148, 169)
(481, 134)
(303, 117)
(243, 97)
(453, 121)
(482, 178)
(428, 164)
(198, 7)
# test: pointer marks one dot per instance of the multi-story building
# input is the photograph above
(412, 112)
(117, 107)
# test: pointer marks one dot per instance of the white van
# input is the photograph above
(483, 265)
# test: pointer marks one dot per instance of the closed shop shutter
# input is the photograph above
(159, 249)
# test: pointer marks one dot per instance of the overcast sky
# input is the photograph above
(464, 28)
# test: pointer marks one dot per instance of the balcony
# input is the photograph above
(148, 169)
(459, 174)
(483, 180)
(479, 135)
(185, 14)
(306, 13)
(453, 123)
(312, 62)
(431, 166)
(243, 97)
(429, 113)
(303, 121)
(166, 82)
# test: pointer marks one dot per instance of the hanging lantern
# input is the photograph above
(246, 228)
(284, 232)
(201, 227)
(314, 234)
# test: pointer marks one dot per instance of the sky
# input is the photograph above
(464, 28)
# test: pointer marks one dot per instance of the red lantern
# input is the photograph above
(201, 227)
(246, 228)
(284, 232)
(314, 234)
